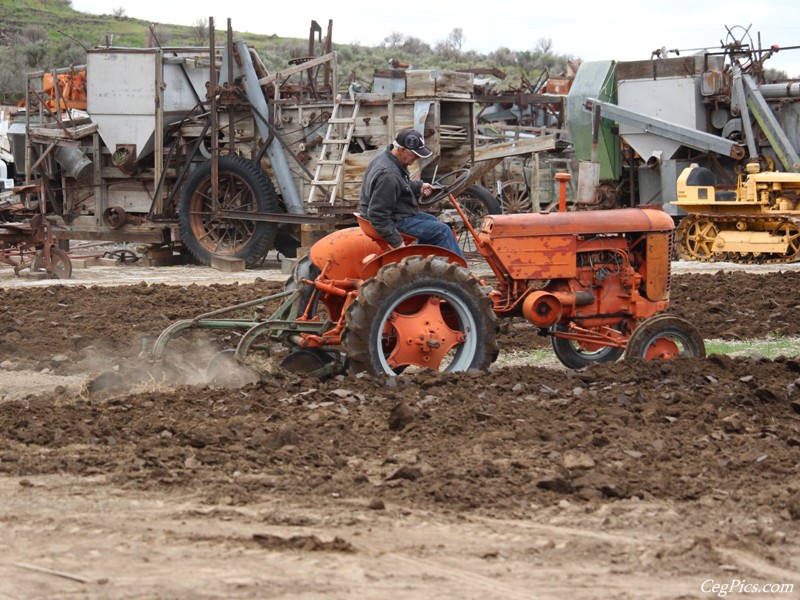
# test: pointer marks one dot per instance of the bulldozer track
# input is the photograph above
(692, 248)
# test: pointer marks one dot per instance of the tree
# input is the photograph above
(526, 60)
(451, 47)
(68, 52)
(393, 40)
(544, 45)
(160, 35)
(34, 33)
(502, 57)
(415, 46)
(11, 71)
(456, 39)
(35, 53)
(771, 75)
(118, 13)
(199, 30)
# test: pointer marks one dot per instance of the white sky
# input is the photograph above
(585, 29)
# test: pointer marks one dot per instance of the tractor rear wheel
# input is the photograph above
(423, 312)
(243, 186)
(665, 337)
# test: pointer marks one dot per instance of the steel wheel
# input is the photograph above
(514, 197)
(698, 239)
(791, 234)
(60, 264)
(665, 337)
(420, 313)
(243, 186)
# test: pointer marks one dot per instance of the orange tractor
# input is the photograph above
(596, 282)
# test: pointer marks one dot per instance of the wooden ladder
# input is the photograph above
(329, 173)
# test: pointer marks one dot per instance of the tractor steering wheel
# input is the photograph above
(449, 183)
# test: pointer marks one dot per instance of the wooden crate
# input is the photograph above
(428, 83)
(421, 83)
(449, 83)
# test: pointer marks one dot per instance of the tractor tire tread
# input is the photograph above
(373, 294)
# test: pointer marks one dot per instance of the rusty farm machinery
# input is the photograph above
(216, 157)
(30, 244)
(706, 135)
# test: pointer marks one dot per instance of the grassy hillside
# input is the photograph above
(46, 34)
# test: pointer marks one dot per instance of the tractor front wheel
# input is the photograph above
(665, 337)
(422, 312)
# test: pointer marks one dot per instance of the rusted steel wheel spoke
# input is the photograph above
(515, 197)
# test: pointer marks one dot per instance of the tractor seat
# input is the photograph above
(369, 231)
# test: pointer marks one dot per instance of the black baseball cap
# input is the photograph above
(411, 139)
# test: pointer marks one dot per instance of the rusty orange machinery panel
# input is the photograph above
(544, 245)
(658, 267)
(71, 89)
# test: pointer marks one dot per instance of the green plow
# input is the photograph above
(282, 326)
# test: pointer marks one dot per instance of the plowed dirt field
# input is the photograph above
(623, 480)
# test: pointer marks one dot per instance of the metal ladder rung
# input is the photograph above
(342, 120)
(334, 141)
(324, 182)
(330, 162)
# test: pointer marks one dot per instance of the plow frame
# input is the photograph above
(285, 325)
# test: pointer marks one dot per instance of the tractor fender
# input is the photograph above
(373, 264)
(341, 254)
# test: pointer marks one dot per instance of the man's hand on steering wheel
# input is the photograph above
(454, 181)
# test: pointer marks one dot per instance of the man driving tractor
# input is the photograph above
(388, 197)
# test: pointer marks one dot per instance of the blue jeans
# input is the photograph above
(429, 230)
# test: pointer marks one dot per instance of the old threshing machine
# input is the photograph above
(206, 150)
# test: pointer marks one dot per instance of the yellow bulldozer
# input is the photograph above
(758, 222)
